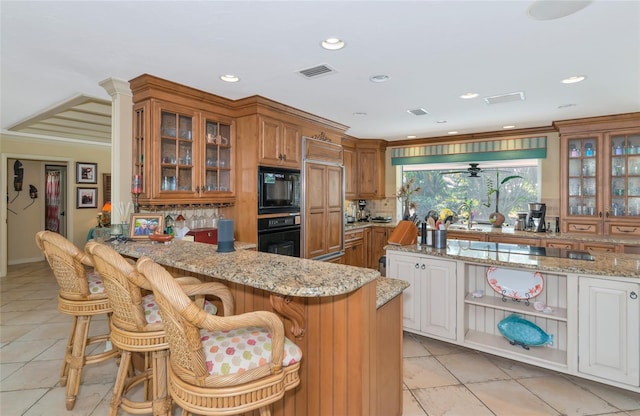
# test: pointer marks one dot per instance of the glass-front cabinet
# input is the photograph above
(188, 153)
(601, 182)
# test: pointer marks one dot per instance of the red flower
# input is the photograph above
(251, 341)
(230, 351)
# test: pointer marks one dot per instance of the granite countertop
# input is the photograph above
(605, 264)
(284, 275)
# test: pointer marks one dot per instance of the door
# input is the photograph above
(55, 217)
(608, 330)
(407, 268)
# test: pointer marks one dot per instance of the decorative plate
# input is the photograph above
(519, 331)
(515, 284)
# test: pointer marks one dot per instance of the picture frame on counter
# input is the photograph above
(86, 198)
(143, 225)
(86, 172)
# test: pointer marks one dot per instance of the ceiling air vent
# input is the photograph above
(505, 98)
(316, 71)
(418, 112)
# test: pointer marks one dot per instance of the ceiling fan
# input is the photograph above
(473, 170)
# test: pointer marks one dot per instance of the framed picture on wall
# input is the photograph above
(86, 172)
(86, 197)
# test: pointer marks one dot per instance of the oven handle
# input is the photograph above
(279, 230)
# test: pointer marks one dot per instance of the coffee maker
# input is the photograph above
(537, 211)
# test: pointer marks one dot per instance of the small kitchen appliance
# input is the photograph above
(537, 211)
(361, 206)
(521, 222)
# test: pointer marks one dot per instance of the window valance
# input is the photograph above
(503, 149)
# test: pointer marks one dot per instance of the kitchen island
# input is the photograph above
(588, 301)
(346, 320)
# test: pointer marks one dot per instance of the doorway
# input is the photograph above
(55, 201)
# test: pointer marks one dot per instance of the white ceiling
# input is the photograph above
(434, 51)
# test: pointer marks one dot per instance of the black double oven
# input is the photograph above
(279, 193)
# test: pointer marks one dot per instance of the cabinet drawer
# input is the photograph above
(356, 235)
(600, 247)
(514, 240)
(623, 229)
(205, 235)
(578, 227)
(466, 236)
(560, 244)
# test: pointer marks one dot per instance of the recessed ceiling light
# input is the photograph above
(469, 95)
(452, 132)
(509, 127)
(332, 44)
(573, 79)
(229, 78)
(441, 121)
(379, 78)
(566, 105)
(359, 114)
(411, 137)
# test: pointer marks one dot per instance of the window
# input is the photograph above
(442, 189)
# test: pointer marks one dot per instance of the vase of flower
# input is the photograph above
(497, 218)
(407, 213)
(404, 193)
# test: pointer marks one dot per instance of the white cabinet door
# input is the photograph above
(429, 304)
(609, 329)
(438, 306)
(407, 268)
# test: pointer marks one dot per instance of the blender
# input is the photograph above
(537, 211)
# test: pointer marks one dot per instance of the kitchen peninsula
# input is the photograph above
(588, 301)
(346, 320)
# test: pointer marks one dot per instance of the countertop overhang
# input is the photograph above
(283, 275)
(604, 264)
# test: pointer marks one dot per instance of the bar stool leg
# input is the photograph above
(161, 398)
(77, 360)
(64, 371)
(121, 378)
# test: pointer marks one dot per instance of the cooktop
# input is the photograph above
(530, 250)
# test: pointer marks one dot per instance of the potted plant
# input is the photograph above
(404, 193)
(497, 218)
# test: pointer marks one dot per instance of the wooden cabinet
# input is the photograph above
(566, 244)
(355, 247)
(280, 143)
(350, 161)
(364, 162)
(463, 235)
(609, 329)
(323, 233)
(183, 150)
(600, 175)
(378, 240)
(429, 304)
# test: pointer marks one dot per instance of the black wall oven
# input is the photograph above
(279, 235)
(278, 190)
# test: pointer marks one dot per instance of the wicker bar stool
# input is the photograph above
(222, 365)
(136, 327)
(82, 296)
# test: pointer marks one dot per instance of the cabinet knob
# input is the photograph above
(198, 189)
(633, 295)
(600, 214)
(417, 266)
(423, 267)
(284, 157)
(607, 214)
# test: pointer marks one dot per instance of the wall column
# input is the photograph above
(121, 139)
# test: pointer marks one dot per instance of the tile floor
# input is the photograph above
(439, 378)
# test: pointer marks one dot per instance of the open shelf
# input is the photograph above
(495, 302)
(500, 345)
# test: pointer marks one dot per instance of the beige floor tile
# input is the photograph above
(622, 399)
(28, 305)
(424, 372)
(17, 402)
(413, 348)
(49, 330)
(28, 317)
(566, 397)
(6, 369)
(436, 347)
(519, 370)
(633, 412)
(450, 401)
(33, 375)
(100, 373)
(506, 398)
(89, 396)
(54, 352)
(410, 406)
(471, 367)
(23, 351)
(14, 332)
